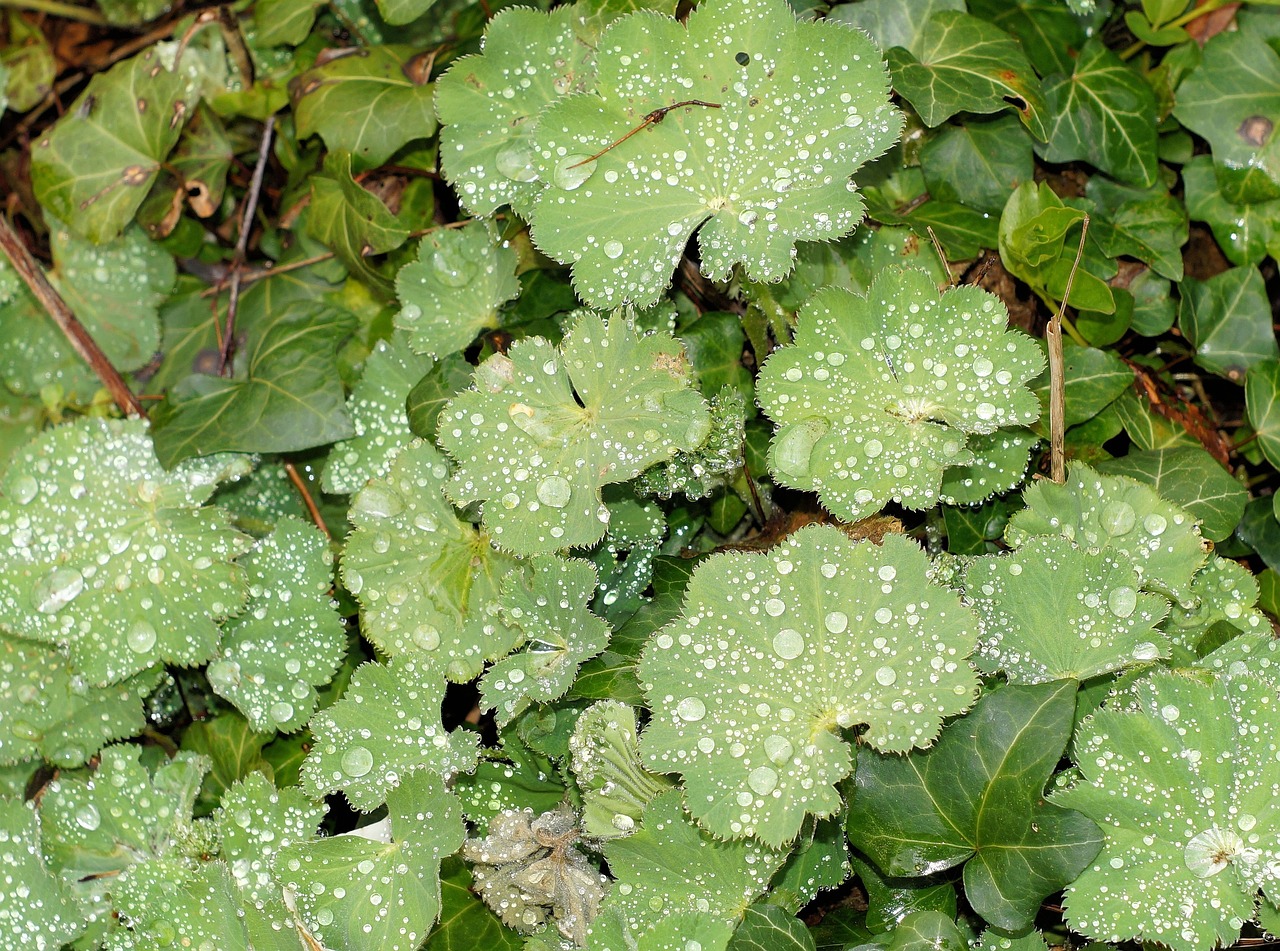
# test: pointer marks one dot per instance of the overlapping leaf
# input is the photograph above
(36, 909)
(1227, 318)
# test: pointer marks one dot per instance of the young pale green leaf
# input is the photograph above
(1222, 592)
(698, 474)
(289, 640)
(36, 910)
(1180, 771)
(1054, 611)
(379, 416)
(977, 797)
(427, 581)
(372, 894)
(452, 292)
(385, 730)
(615, 787)
(968, 65)
(1160, 540)
(747, 126)
(1191, 478)
(549, 609)
(880, 393)
(111, 557)
(1227, 318)
(48, 709)
(748, 704)
(544, 429)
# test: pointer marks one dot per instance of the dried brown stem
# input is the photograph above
(313, 510)
(653, 118)
(1057, 373)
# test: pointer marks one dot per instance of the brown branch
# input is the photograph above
(1057, 374)
(653, 118)
(312, 509)
(57, 308)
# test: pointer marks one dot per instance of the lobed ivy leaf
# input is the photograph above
(1147, 224)
(797, 107)
(615, 787)
(452, 292)
(890, 900)
(290, 639)
(880, 393)
(446, 379)
(891, 23)
(1227, 318)
(845, 638)
(767, 927)
(978, 163)
(466, 922)
(36, 909)
(549, 609)
(428, 582)
(544, 429)
(1246, 232)
(1262, 396)
(977, 798)
(111, 557)
(384, 731)
(516, 778)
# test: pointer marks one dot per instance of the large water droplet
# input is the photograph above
(88, 817)
(1155, 524)
(837, 622)
(613, 250)
(788, 643)
(778, 749)
(763, 780)
(691, 709)
(24, 489)
(375, 501)
(57, 589)
(554, 491)
(1122, 601)
(886, 676)
(1118, 518)
(569, 174)
(515, 160)
(141, 637)
(357, 762)
(281, 712)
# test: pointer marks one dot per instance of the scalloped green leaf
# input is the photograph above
(290, 639)
(880, 393)
(384, 731)
(111, 557)
(452, 292)
(177, 900)
(797, 107)
(427, 581)
(1054, 611)
(36, 910)
(1223, 592)
(748, 705)
(1191, 478)
(1000, 465)
(549, 608)
(977, 798)
(698, 474)
(615, 787)
(544, 429)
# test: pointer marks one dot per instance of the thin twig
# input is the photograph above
(653, 118)
(242, 245)
(937, 246)
(312, 509)
(253, 277)
(1057, 374)
(57, 308)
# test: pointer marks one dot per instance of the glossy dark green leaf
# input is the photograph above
(466, 923)
(1246, 232)
(714, 344)
(443, 382)
(841, 929)
(1048, 30)
(892, 22)
(233, 749)
(284, 22)
(1260, 530)
(976, 797)
(1191, 478)
(1262, 398)
(889, 900)
(1093, 379)
(978, 163)
(1147, 428)
(1150, 225)
(1228, 320)
(770, 928)
(975, 530)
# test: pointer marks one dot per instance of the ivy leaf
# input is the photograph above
(890, 900)
(544, 429)
(379, 417)
(550, 610)
(1147, 224)
(290, 639)
(489, 104)
(1227, 318)
(426, 580)
(622, 211)
(384, 731)
(977, 797)
(516, 778)
(363, 894)
(1192, 479)
(47, 709)
(967, 65)
(1262, 394)
(846, 637)
(1246, 232)
(891, 23)
(452, 292)
(1104, 113)
(96, 165)
(1093, 379)
(1189, 835)
(288, 396)
(875, 399)
(36, 910)
(769, 928)
(466, 922)
(1054, 611)
(369, 103)
(978, 163)
(615, 787)
(133, 570)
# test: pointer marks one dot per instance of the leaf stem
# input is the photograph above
(66, 11)
(653, 118)
(313, 510)
(1057, 372)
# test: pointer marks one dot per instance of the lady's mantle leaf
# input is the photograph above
(36, 910)
(385, 728)
(290, 639)
(797, 108)
(546, 428)
(748, 704)
(111, 557)
(1181, 773)
(426, 580)
(615, 787)
(880, 393)
(1054, 611)
(977, 797)
(550, 611)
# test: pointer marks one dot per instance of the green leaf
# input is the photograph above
(819, 862)
(403, 11)
(1104, 113)
(845, 638)
(517, 778)
(977, 797)
(1054, 611)
(769, 928)
(290, 639)
(285, 395)
(1150, 225)
(978, 163)
(1262, 393)
(544, 429)
(178, 900)
(1047, 29)
(1093, 379)
(427, 582)
(1000, 466)
(95, 166)
(368, 103)
(891, 22)
(232, 751)
(283, 22)
(1192, 479)
(36, 910)
(426, 401)
(28, 63)
(923, 931)
(1175, 867)
(890, 899)
(453, 291)
(365, 894)
(1246, 232)
(1227, 318)
(384, 732)
(615, 787)
(742, 172)
(874, 401)
(465, 922)
(968, 65)
(1224, 598)
(135, 571)
(698, 474)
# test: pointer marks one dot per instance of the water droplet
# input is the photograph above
(691, 709)
(453, 267)
(357, 761)
(88, 817)
(554, 491)
(1210, 852)
(1146, 651)
(1155, 524)
(377, 502)
(24, 489)
(281, 712)
(886, 676)
(788, 643)
(778, 749)
(515, 161)
(569, 174)
(613, 249)
(1118, 518)
(1122, 601)
(141, 637)
(763, 780)
(57, 589)
(426, 637)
